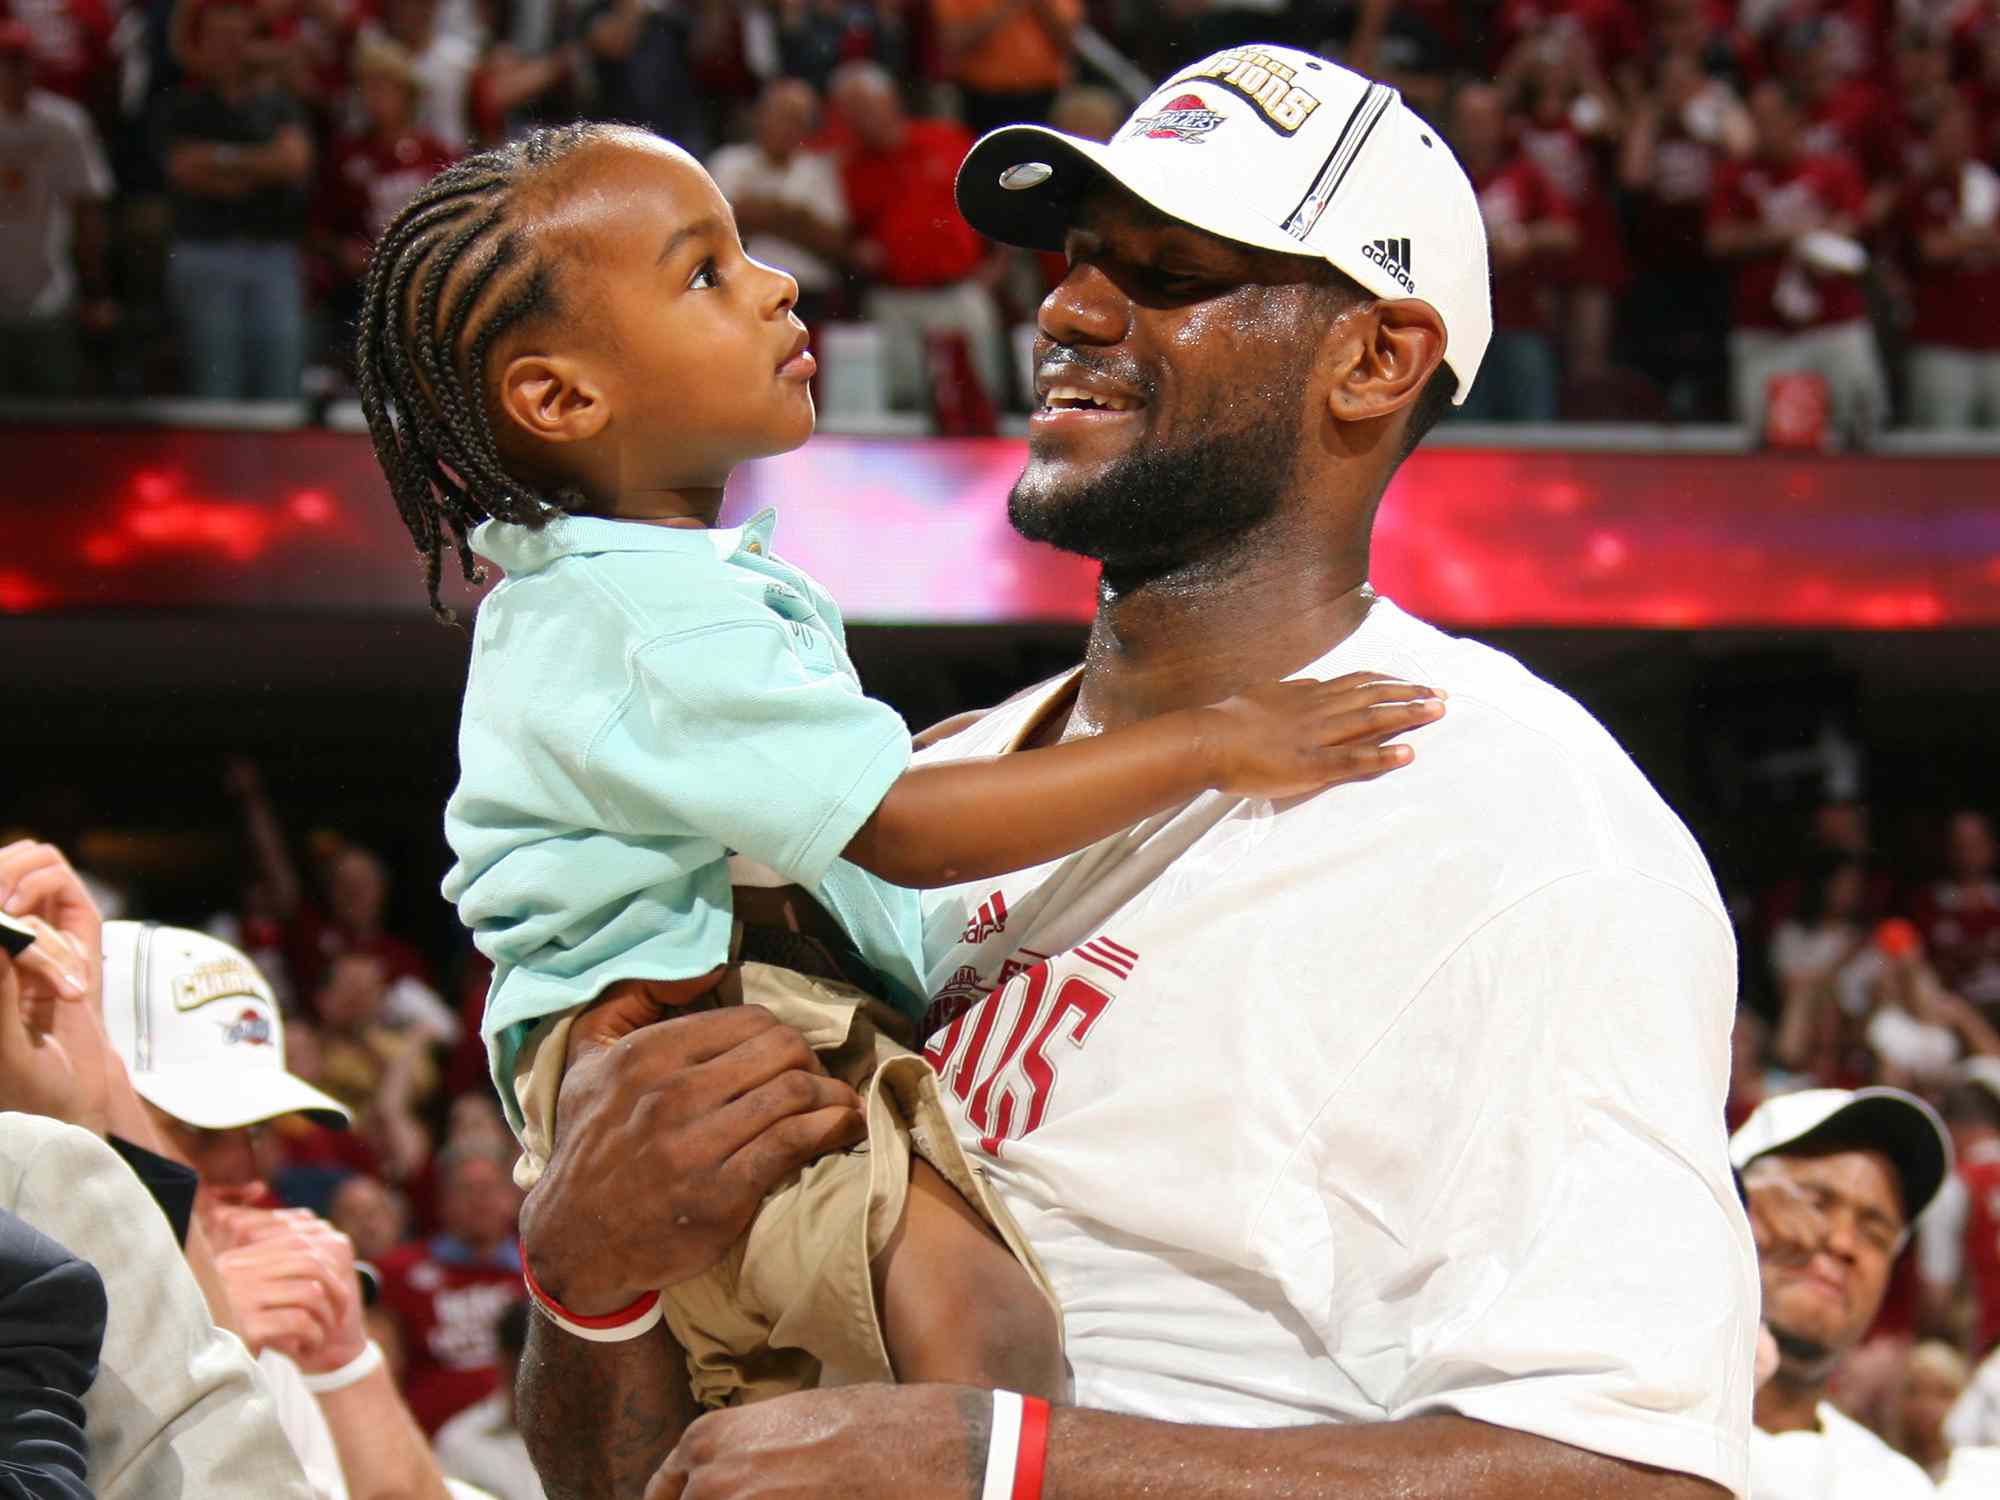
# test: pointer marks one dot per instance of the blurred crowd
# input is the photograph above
(1870, 951)
(1778, 212)
(1859, 973)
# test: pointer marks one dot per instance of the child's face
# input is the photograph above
(693, 345)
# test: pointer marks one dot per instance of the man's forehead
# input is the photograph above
(1113, 215)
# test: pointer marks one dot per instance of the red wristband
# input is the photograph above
(627, 1323)
(1032, 1457)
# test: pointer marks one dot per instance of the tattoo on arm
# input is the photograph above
(600, 1418)
(976, 1408)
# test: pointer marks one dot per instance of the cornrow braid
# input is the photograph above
(421, 358)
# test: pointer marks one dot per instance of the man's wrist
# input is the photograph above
(336, 1353)
(572, 1286)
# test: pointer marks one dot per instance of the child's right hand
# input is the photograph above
(1288, 738)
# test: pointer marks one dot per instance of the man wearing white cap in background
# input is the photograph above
(199, 1030)
(1867, 1164)
(178, 1410)
(1372, 1140)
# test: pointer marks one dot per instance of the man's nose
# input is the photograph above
(1086, 307)
(1841, 1238)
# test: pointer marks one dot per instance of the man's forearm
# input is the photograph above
(1100, 1456)
(600, 1418)
(383, 1455)
(928, 1442)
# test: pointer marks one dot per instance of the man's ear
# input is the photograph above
(552, 397)
(1384, 354)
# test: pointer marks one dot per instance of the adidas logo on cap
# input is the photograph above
(1392, 256)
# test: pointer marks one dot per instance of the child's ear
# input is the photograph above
(550, 397)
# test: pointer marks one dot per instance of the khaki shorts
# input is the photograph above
(793, 1303)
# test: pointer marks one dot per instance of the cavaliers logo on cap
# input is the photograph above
(1186, 117)
(251, 1028)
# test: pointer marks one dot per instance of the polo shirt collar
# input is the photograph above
(518, 549)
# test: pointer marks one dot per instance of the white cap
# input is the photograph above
(1275, 148)
(199, 1029)
(1899, 1125)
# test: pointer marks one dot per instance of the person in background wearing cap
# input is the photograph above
(178, 1409)
(191, 1049)
(198, 1028)
(1868, 1164)
(54, 182)
(1372, 1139)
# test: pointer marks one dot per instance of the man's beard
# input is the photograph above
(1802, 1358)
(1164, 510)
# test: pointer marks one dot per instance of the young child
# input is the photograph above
(564, 352)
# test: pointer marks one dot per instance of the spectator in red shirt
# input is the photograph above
(1949, 219)
(1785, 220)
(447, 1291)
(375, 170)
(1529, 229)
(1960, 914)
(1843, 109)
(1568, 122)
(1958, 1245)
(1677, 315)
(931, 272)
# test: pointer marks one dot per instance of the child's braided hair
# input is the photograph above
(421, 367)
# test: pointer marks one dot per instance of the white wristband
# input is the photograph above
(644, 1324)
(1003, 1450)
(356, 1370)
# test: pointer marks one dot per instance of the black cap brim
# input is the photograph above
(1032, 214)
(1882, 1122)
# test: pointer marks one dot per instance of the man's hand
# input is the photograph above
(54, 1057)
(670, 1131)
(291, 1279)
(47, 1013)
(1783, 1221)
(36, 880)
(917, 1442)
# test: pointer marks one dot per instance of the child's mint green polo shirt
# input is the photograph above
(643, 701)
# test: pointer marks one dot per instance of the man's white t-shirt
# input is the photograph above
(1842, 1461)
(1404, 1097)
(305, 1425)
(49, 159)
(807, 181)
